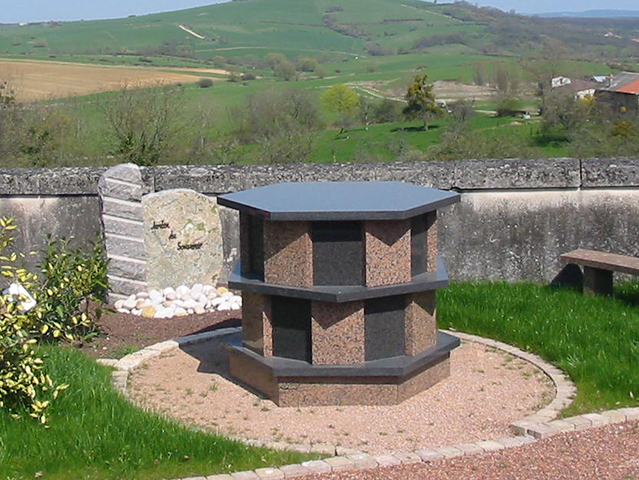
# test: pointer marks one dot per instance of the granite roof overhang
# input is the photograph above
(334, 201)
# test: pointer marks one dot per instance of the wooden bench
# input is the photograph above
(598, 268)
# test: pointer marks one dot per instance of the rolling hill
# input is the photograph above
(327, 29)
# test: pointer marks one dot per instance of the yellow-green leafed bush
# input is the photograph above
(73, 281)
(23, 384)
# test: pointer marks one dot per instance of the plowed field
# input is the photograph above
(41, 80)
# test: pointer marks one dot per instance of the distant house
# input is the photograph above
(578, 87)
(621, 92)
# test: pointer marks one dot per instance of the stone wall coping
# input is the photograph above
(555, 173)
(541, 425)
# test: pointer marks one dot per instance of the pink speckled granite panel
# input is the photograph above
(253, 321)
(338, 392)
(267, 323)
(421, 322)
(424, 380)
(253, 374)
(295, 392)
(288, 254)
(388, 256)
(431, 241)
(337, 333)
(244, 242)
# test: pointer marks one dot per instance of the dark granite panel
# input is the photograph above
(288, 253)
(338, 253)
(344, 293)
(418, 245)
(387, 247)
(338, 333)
(252, 244)
(384, 327)
(291, 319)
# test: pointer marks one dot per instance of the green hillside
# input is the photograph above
(326, 29)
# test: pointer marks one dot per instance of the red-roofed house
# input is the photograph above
(621, 92)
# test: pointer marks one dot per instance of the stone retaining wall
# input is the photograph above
(515, 217)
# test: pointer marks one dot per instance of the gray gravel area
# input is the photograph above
(604, 453)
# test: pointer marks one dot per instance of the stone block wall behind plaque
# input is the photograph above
(158, 240)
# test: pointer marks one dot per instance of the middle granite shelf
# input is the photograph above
(341, 293)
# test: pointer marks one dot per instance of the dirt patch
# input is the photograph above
(123, 333)
(41, 80)
(486, 391)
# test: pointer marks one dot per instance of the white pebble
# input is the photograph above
(206, 289)
(227, 295)
(130, 302)
(182, 289)
(118, 304)
(180, 312)
(170, 296)
(142, 295)
(196, 290)
(199, 309)
(235, 306)
(216, 302)
(168, 290)
(155, 296)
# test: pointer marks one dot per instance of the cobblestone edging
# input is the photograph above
(540, 425)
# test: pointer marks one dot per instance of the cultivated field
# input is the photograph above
(41, 80)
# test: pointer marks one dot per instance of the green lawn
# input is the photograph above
(94, 433)
(594, 340)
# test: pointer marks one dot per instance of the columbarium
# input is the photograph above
(338, 284)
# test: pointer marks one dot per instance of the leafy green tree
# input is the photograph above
(420, 100)
(342, 100)
(285, 70)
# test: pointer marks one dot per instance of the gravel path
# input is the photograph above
(605, 453)
(487, 390)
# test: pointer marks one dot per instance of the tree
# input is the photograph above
(144, 122)
(285, 70)
(343, 100)
(420, 100)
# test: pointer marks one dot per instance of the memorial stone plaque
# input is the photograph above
(183, 238)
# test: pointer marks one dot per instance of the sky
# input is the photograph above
(15, 11)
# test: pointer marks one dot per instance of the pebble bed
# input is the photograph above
(181, 301)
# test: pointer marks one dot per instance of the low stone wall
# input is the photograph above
(515, 217)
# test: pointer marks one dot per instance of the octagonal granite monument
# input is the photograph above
(338, 284)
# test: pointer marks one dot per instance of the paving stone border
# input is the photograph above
(535, 427)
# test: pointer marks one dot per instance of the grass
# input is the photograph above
(96, 434)
(594, 340)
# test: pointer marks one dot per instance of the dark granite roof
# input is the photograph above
(339, 200)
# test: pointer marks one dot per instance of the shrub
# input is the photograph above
(246, 76)
(205, 82)
(72, 279)
(23, 384)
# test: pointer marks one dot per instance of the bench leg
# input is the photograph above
(597, 281)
